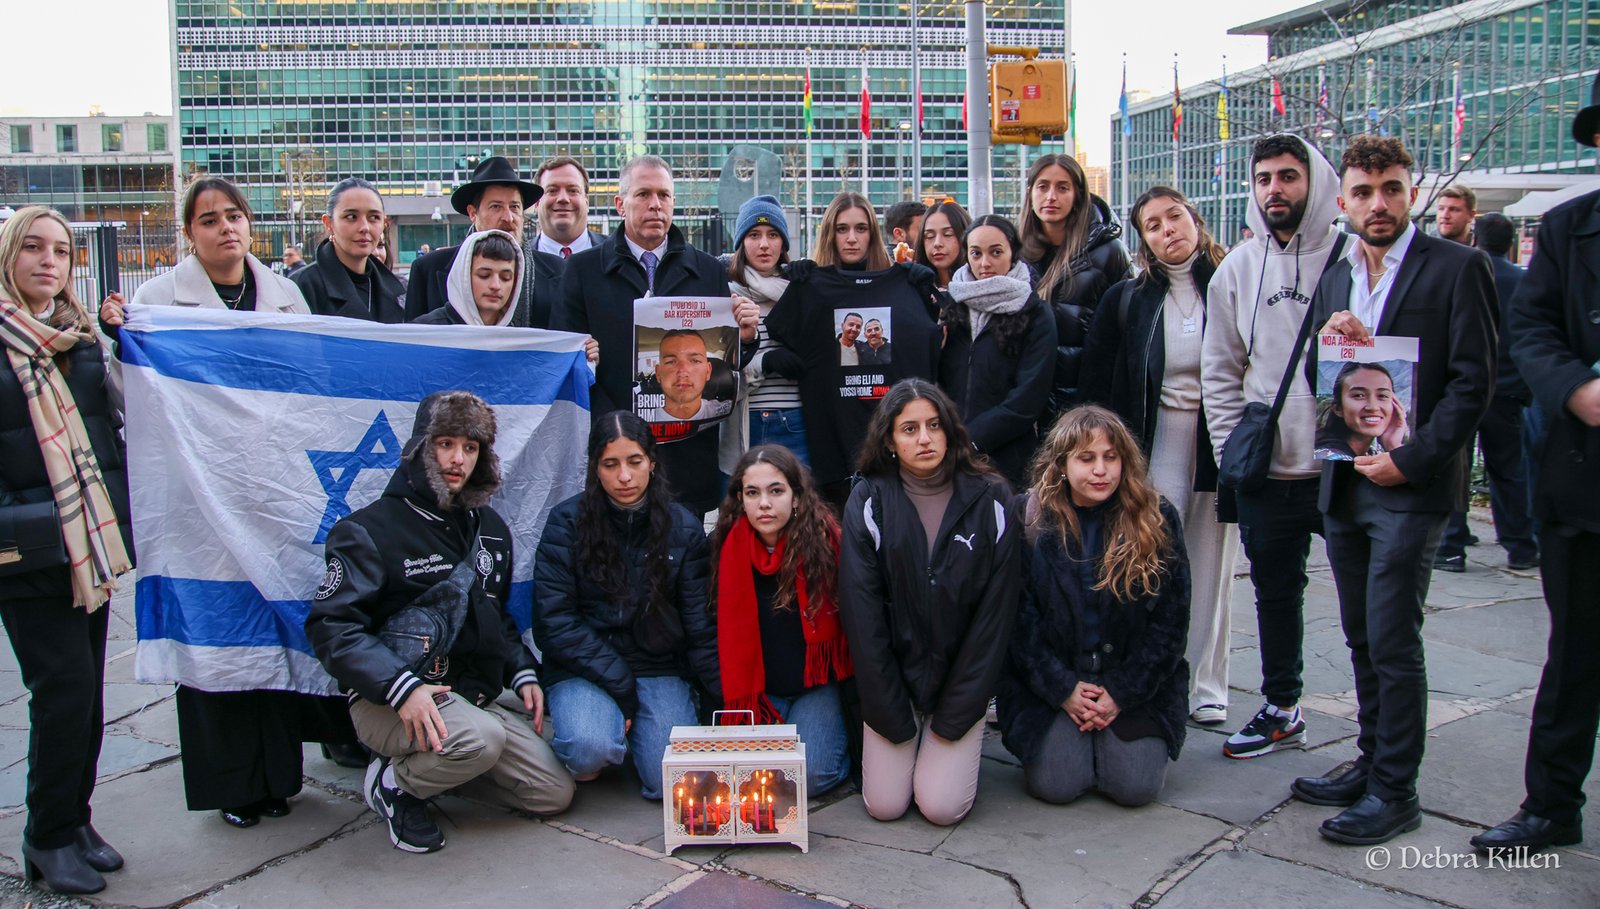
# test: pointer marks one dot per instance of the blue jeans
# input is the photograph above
(820, 721)
(780, 427)
(589, 727)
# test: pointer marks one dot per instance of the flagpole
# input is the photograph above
(865, 123)
(916, 116)
(805, 219)
(1127, 128)
(1177, 118)
(1455, 123)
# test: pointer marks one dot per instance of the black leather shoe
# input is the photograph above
(96, 851)
(1523, 563)
(1528, 831)
(1340, 789)
(64, 869)
(347, 755)
(273, 807)
(1373, 820)
(244, 817)
(1455, 564)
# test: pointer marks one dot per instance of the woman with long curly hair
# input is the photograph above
(774, 588)
(928, 590)
(1070, 238)
(1095, 690)
(619, 610)
(1142, 361)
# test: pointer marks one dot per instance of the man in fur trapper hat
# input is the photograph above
(426, 545)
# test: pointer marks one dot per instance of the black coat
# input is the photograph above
(1508, 382)
(583, 633)
(1002, 393)
(928, 631)
(1124, 364)
(1444, 297)
(1140, 660)
(22, 472)
(1102, 262)
(380, 559)
(330, 292)
(426, 289)
(1555, 338)
(597, 294)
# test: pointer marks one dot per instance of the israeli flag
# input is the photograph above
(250, 434)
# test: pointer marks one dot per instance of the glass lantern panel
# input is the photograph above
(768, 800)
(700, 800)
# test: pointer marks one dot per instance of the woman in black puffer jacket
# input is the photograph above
(619, 610)
(1071, 241)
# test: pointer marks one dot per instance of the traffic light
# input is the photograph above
(1028, 98)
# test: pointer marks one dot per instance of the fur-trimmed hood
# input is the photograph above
(452, 413)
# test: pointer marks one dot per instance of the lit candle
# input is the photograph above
(772, 820)
(689, 827)
(718, 815)
(677, 803)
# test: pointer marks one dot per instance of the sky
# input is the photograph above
(115, 54)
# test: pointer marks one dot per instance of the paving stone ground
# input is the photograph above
(1221, 829)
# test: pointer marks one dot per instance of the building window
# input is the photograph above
(156, 133)
(66, 138)
(21, 139)
(111, 137)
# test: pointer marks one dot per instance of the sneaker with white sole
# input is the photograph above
(1267, 732)
(1210, 714)
(410, 826)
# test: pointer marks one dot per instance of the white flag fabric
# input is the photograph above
(250, 434)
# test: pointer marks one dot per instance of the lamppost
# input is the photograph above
(903, 127)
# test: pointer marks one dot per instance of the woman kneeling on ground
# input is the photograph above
(1096, 688)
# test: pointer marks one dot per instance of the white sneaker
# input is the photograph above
(1210, 714)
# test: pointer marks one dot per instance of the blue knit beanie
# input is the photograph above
(758, 211)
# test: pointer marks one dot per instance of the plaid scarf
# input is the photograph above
(744, 674)
(88, 521)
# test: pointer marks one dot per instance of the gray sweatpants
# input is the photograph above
(1071, 763)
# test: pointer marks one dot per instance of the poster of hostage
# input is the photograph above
(686, 374)
(1365, 395)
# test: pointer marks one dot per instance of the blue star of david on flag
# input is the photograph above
(378, 449)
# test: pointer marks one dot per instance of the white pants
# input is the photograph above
(941, 774)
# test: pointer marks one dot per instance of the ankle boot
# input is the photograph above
(64, 869)
(96, 851)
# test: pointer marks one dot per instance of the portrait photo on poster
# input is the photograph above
(864, 336)
(1365, 395)
(685, 354)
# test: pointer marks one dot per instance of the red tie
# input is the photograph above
(566, 251)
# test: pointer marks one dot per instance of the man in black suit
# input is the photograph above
(1555, 338)
(494, 199)
(1383, 514)
(647, 256)
(564, 208)
(1500, 433)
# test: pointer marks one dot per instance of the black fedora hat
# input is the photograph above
(495, 171)
(1587, 122)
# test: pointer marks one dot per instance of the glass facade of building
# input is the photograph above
(288, 97)
(1525, 68)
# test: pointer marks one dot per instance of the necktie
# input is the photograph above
(649, 260)
(566, 251)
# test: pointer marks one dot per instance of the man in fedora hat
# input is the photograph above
(1554, 324)
(496, 198)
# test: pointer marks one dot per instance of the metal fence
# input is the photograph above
(120, 256)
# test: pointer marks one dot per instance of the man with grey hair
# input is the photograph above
(645, 257)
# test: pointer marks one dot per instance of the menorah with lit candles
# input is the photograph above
(734, 784)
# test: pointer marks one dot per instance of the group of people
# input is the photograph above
(1030, 511)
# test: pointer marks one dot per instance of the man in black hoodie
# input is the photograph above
(436, 727)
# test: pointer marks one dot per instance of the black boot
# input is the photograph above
(64, 869)
(96, 851)
(346, 755)
(246, 816)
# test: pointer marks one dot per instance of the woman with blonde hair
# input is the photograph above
(1070, 239)
(1094, 689)
(64, 491)
(858, 324)
(1142, 360)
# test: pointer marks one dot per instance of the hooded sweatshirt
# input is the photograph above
(458, 284)
(1255, 304)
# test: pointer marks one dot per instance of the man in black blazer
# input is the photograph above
(496, 198)
(647, 256)
(1555, 338)
(1383, 515)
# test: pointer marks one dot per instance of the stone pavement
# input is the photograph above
(1223, 832)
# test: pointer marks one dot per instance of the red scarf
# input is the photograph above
(744, 675)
